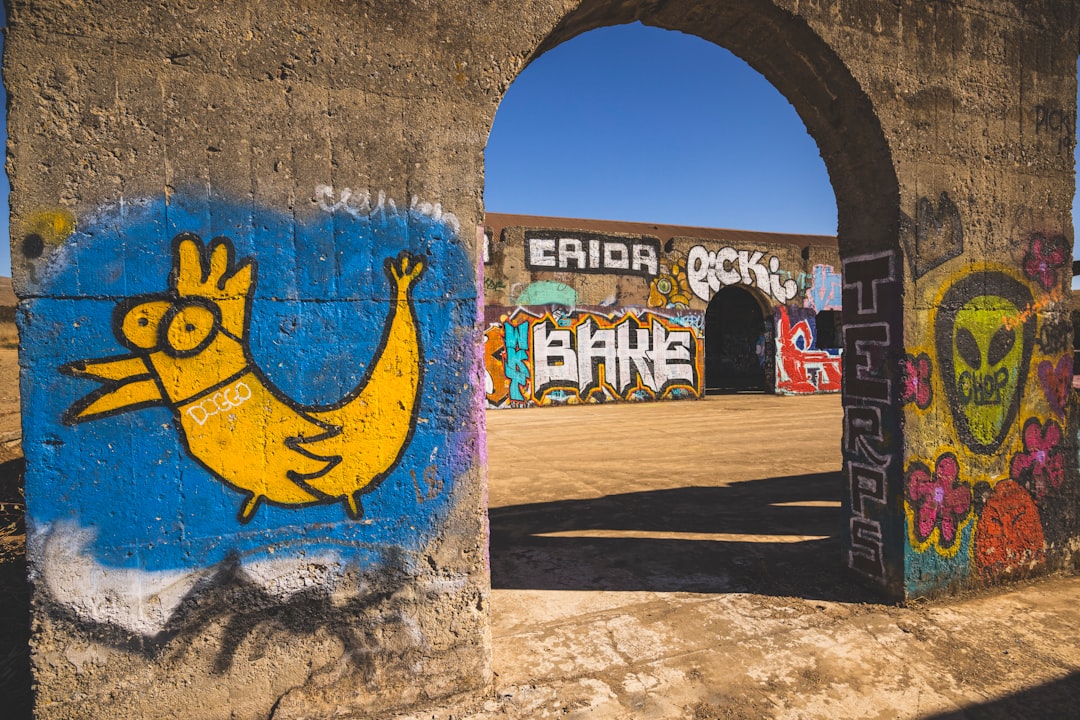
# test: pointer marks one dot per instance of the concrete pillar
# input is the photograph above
(248, 305)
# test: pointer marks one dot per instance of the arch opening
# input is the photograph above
(841, 120)
(738, 341)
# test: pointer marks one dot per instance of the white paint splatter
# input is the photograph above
(359, 204)
(143, 601)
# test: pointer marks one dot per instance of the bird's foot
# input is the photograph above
(247, 510)
(354, 508)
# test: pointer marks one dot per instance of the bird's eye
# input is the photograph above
(189, 330)
(139, 327)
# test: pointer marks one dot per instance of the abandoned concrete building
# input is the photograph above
(593, 311)
(248, 246)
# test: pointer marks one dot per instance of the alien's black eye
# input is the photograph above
(143, 322)
(189, 327)
(968, 347)
(1000, 345)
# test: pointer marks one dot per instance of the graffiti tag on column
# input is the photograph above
(871, 296)
(709, 271)
(586, 356)
(934, 236)
(1058, 123)
(190, 353)
(825, 290)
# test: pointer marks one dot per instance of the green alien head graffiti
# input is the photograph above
(984, 343)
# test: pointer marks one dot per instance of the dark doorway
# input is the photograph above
(738, 342)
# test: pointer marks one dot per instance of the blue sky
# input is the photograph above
(636, 123)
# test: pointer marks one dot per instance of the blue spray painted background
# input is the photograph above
(320, 306)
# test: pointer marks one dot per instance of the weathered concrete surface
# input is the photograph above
(323, 138)
(723, 599)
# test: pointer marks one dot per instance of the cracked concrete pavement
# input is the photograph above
(681, 560)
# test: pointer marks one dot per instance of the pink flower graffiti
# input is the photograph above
(940, 500)
(1046, 255)
(1041, 466)
(916, 373)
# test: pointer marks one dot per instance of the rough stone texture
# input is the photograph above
(941, 124)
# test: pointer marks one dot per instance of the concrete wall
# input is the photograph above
(251, 366)
(657, 279)
(221, 369)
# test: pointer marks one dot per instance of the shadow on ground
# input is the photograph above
(15, 690)
(1057, 699)
(783, 507)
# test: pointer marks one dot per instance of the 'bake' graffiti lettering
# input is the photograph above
(588, 356)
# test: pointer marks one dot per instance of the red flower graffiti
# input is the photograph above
(940, 501)
(916, 373)
(1046, 255)
(1041, 466)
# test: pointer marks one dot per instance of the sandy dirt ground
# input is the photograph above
(10, 429)
(681, 560)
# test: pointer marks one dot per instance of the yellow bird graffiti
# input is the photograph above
(190, 353)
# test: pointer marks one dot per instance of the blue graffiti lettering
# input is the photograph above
(517, 356)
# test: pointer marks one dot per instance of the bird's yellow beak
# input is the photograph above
(129, 384)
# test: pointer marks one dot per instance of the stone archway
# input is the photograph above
(841, 118)
(338, 145)
(738, 341)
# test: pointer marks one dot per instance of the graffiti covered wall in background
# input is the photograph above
(556, 355)
(709, 270)
(536, 266)
(280, 386)
(586, 252)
